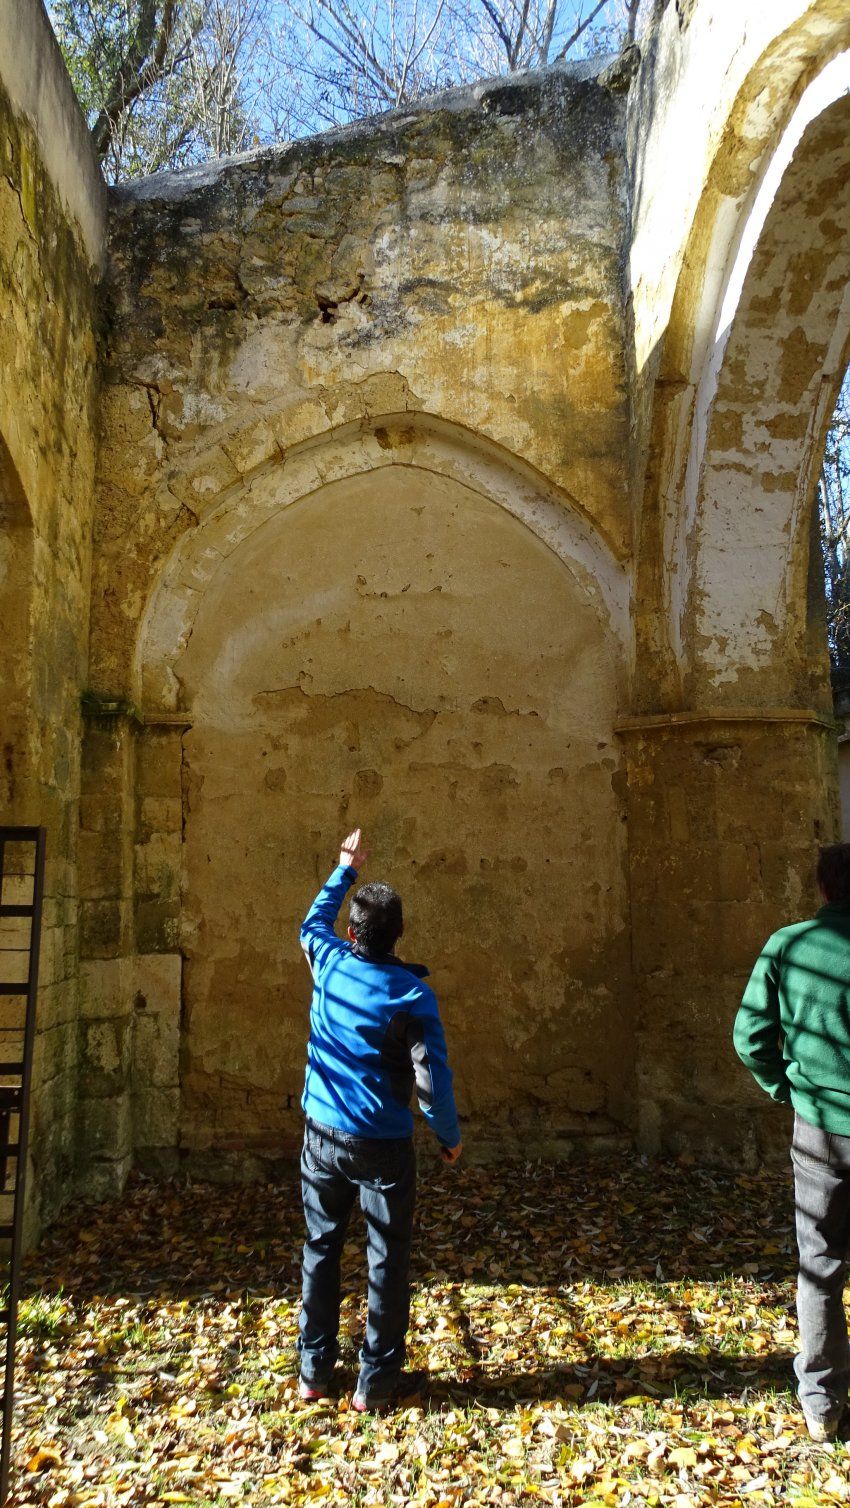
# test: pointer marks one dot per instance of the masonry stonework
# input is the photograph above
(52, 217)
(455, 476)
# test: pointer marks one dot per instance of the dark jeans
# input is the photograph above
(822, 1198)
(334, 1167)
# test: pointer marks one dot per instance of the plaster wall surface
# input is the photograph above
(52, 222)
(397, 650)
(747, 620)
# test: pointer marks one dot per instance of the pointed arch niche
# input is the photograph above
(400, 629)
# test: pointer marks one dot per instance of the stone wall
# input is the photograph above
(739, 342)
(397, 650)
(725, 816)
(52, 215)
(361, 530)
(456, 477)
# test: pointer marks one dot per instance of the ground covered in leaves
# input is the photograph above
(594, 1333)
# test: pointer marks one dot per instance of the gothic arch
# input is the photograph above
(416, 440)
(747, 142)
(403, 625)
(762, 409)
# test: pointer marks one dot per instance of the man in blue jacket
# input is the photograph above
(374, 1029)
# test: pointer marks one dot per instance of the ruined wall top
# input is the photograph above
(464, 261)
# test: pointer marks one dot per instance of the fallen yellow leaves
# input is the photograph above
(594, 1335)
(43, 1458)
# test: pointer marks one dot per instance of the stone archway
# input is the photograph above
(719, 146)
(735, 787)
(780, 356)
(397, 648)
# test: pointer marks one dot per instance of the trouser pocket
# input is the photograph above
(810, 1143)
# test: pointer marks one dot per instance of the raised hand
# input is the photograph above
(355, 850)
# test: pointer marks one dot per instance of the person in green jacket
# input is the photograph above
(792, 1032)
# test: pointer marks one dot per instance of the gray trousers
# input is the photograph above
(821, 1162)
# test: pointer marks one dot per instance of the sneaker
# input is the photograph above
(406, 1389)
(821, 1427)
(312, 1392)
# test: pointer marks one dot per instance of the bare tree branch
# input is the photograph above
(580, 29)
(140, 67)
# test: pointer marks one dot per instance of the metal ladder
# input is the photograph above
(21, 897)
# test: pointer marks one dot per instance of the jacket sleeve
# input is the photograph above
(758, 1032)
(427, 1043)
(318, 938)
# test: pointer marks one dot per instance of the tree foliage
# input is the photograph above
(167, 82)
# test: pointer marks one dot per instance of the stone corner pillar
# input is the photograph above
(726, 813)
(130, 966)
(105, 853)
(158, 980)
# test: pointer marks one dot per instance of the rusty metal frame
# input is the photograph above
(15, 1100)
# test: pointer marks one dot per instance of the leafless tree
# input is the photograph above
(167, 82)
(352, 58)
(228, 74)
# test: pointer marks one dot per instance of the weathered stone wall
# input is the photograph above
(739, 335)
(456, 477)
(396, 649)
(366, 401)
(52, 214)
(725, 815)
(464, 260)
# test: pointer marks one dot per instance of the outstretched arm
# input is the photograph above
(318, 937)
(758, 1030)
(427, 1043)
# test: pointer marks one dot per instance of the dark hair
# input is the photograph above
(376, 918)
(833, 872)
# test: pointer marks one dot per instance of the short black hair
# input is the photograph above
(376, 918)
(833, 872)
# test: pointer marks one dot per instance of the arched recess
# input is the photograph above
(16, 565)
(396, 439)
(673, 372)
(733, 785)
(389, 640)
(744, 617)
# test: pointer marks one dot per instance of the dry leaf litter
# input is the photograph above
(596, 1333)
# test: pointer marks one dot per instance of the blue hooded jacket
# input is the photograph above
(374, 1028)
